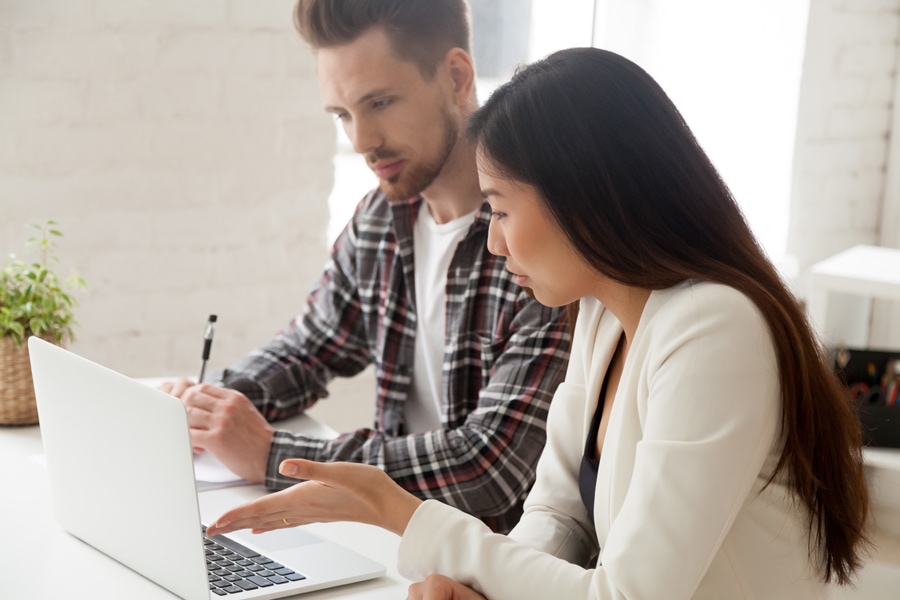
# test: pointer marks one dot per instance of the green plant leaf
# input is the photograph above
(33, 298)
(17, 328)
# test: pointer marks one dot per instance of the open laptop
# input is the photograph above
(119, 458)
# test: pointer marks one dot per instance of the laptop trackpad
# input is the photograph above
(279, 539)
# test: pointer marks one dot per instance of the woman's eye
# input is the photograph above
(499, 215)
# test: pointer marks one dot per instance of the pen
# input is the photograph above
(207, 344)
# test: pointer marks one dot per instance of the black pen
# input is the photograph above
(207, 344)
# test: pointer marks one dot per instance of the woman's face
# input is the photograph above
(536, 250)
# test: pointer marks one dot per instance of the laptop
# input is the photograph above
(119, 458)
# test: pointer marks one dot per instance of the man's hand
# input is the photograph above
(227, 424)
(176, 388)
(438, 587)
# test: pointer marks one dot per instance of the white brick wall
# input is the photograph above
(183, 150)
(844, 124)
(843, 164)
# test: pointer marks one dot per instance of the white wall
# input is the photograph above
(733, 70)
(183, 150)
(843, 127)
(841, 156)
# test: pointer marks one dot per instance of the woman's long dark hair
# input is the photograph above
(627, 182)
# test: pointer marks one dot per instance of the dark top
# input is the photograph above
(587, 473)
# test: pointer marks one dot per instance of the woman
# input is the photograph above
(699, 446)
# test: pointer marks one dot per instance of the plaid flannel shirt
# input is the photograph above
(504, 355)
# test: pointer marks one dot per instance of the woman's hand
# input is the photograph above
(438, 587)
(332, 492)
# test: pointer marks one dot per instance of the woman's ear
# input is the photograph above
(462, 74)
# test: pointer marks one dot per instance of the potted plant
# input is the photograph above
(34, 300)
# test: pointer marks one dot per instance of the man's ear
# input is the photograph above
(462, 74)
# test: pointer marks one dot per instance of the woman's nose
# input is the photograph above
(496, 244)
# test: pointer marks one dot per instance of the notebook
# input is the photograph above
(119, 458)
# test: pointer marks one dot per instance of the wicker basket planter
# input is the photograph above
(33, 301)
(17, 404)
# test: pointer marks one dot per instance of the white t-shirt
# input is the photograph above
(434, 244)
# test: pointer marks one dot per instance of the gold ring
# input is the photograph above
(285, 521)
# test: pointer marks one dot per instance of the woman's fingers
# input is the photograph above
(266, 513)
(438, 587)
(351, 476)
(307, 502)
(298, 468)
(330, 492)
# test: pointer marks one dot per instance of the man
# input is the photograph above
(466, 362)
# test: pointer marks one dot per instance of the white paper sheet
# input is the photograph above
(210, 473)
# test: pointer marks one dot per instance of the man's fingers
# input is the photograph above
(197, 396)
(198, 418)
(175, 388)
(199, 439)
(208, 396)
(214, 391)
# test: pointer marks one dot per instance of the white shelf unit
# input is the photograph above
(864, 272)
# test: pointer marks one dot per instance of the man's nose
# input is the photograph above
(364, 137)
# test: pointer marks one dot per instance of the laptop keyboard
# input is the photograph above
(234, 568)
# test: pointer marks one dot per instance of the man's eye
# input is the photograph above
(341, 116)
(384, 102)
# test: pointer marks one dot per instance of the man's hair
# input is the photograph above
(420, 31)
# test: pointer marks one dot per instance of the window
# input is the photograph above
(732, 68)
(506, 33)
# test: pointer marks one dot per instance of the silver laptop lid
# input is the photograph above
(107, 478)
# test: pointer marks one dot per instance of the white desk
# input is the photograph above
(31, 541)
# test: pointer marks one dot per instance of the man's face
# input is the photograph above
(403, 124)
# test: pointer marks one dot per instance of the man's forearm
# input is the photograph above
(485, 474)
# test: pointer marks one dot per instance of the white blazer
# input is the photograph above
(680, 510)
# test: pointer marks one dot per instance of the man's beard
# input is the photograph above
(420, 176)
